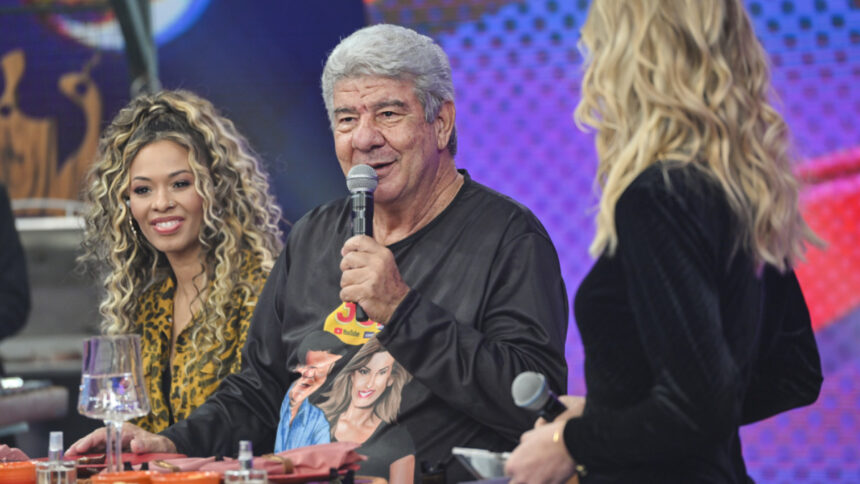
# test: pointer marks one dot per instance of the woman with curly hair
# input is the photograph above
(184, 231)
(691, 318)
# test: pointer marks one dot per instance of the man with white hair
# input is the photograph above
(461, 284)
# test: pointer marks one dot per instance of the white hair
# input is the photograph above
(397, 53)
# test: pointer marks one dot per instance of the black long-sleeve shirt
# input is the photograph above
(14, 285)
(487, 301)
(683, 341)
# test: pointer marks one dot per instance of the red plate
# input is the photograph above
(297, 478)
(97, 462)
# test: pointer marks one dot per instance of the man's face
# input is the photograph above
(312, 374)
(380, 122)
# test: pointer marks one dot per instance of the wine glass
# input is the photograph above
(112, 388)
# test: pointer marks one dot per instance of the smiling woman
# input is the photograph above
(183, 230)
(163, 201)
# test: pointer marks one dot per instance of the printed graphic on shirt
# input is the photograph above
(341, 323)
(348, 393)
(362, 406)
(302, 423)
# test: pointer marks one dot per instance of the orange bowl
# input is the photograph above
(23, 472)
(129, 477)
(196, 477)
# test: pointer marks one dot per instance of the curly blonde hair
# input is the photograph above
(240, 216)
(687, 81)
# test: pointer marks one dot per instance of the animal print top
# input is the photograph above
(189, 389)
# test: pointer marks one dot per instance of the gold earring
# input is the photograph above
(130, 218)
(131, 224)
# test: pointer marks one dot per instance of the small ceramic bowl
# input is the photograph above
(23, 472)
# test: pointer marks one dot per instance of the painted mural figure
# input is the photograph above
(28, 145)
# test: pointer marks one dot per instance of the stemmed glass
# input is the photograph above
(112, 388)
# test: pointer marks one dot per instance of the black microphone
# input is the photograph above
(361, 182)
(530, 391)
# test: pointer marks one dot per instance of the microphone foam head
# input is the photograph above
(530, 390)
(361, 178)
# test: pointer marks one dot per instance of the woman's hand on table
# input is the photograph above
(134, 439)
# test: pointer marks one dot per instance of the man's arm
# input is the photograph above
(471, 364)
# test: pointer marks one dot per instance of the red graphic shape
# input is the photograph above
(831, 205)
(349, 315)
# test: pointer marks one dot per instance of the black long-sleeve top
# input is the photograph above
(14, 285)
(683, 341)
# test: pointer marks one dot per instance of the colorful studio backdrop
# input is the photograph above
(516, 72)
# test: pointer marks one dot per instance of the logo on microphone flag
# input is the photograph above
(341, 323)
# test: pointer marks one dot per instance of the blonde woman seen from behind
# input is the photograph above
(692, 320)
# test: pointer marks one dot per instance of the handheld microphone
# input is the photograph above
(361, 182)
(530, 391)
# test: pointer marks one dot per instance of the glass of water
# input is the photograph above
(112, 388)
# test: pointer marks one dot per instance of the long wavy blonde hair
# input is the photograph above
(240, 216)
(687, 81)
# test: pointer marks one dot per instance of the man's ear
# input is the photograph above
(444, 124)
